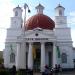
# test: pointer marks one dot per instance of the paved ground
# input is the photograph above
(63, 73)
(68, 73)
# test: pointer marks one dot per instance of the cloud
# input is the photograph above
(6, 7)
(71, 23)
(71, 19)
(73, 36)
(72, 13)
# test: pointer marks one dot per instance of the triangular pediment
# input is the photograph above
(40, 34)
(36, 34)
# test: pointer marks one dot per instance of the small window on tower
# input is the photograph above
(60, 13)
(16, 13)
(12, 58)
(64, 58)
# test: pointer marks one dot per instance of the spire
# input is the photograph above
(40, 9)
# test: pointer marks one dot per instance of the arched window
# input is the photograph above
(16, 13)
(60, 13)
(12, 58)
(64, 58)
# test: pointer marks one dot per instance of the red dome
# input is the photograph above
(41, 21)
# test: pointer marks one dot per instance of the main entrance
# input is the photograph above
(37, 57)
(36, 61)
(36, 52)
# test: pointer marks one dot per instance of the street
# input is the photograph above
(63, 73)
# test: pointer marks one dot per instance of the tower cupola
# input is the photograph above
(17, 11)
(59, 10)
(40, 9)
(60, 18)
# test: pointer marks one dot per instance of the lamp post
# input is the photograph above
(24, 27)
(25, 7)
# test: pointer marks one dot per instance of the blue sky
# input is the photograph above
(6, 11)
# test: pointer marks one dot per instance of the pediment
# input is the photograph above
(39, 35)
(36, 34)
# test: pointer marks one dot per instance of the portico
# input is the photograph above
(44, 52)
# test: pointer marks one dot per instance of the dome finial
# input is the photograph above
(18, 5)
(39, 9)
(59, 4)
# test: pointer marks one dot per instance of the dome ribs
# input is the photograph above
(41, 21)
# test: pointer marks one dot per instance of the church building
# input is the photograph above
(39, 41)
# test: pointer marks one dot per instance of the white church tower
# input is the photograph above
(60, 18)
(11, 38)
(16, 21)
(63, 35)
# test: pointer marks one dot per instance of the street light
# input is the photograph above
(25, 7)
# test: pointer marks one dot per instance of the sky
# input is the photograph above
(6, 11)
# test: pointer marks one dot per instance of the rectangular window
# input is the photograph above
(64, 58)
(12, 58)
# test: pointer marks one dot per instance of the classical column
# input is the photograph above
(42, 56)
(18, 55)
(54, 55)
(21, 56)
(30, 57)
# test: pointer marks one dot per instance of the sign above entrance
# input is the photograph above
(36, 39)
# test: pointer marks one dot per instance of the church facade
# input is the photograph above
(39, 41)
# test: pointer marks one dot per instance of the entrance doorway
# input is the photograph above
(37, 59)
(50, 59)
(49, 53)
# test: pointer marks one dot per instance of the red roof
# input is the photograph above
(41, 21)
